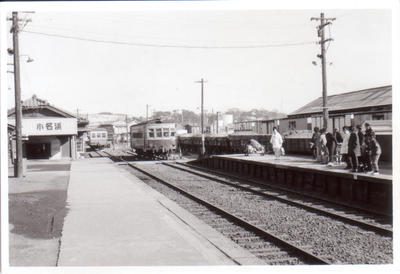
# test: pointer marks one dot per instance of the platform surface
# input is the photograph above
(115, 219)
(385, 169)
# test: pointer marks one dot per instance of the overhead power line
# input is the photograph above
(169, 45)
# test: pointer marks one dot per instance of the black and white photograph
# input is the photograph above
(177, 135)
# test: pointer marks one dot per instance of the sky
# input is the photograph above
(249, 58)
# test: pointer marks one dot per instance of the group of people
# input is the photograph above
(360, 151)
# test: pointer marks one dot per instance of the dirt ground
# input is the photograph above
(37, 207)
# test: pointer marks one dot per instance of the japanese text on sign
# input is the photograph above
(48, 126)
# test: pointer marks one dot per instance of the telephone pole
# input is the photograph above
(145, 128)
(18, 167)
(321, 33)
(202, 81)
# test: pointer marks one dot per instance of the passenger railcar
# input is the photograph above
(98, 138)
(153, 137)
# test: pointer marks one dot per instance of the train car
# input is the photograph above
(110, 132)
(98, 138)
(153, 137)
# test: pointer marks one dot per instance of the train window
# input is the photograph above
(137, 135)
(103, 135)
(98, 134)
(159, 133)
(93, 135)
(151, 133)
(172, 133)
(166, 132)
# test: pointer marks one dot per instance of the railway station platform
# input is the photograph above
(115, 219)
(300, 173)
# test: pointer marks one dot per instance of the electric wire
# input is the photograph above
(168, 45)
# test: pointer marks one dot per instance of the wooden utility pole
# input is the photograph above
(127, 131)
(145, 128)
(202, 81)
(321, 33)
(18, 166)
(217, 121)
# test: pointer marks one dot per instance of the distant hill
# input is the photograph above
(186, 116)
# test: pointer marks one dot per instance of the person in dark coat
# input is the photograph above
(331, 145)
(368, 160)
(354, 149)
(362, 157)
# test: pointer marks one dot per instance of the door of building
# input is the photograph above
(38, 151)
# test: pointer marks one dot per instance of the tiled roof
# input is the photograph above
(35, 102)
(351, 100)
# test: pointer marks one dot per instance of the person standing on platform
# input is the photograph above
(368, 133)
(315, 140)
(276, 141)
(375, 152)
(323, 147)
(344, 150)
(354, 149)
(331, 144)
(362, 158)
(337, 138)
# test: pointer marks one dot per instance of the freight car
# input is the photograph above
(98, 138)
(153, 139)
(221, 144)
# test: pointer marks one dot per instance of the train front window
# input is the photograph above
(99, 135)
(172, 132)
(151, 133)
(103, 135)
(93, 135)
(166, 132)
(159, 133)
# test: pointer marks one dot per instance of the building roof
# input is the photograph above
(153, 121)
(37, 103)
(372, 97)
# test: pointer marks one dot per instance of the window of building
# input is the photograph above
(166, 132)
(159, 132)
(292, 124)
(151, 133)
(378, 117)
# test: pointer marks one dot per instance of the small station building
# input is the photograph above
(48, 131)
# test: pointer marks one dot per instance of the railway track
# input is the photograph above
(251, 232)
(323, 207)
(265, 244)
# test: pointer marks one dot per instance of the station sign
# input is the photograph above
(49, 126)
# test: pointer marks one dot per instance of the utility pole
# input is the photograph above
(127, 131)
(18, 167)
(145, 128)
(321, 33)
(202, 81)
(217, 121)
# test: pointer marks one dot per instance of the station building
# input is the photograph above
(345, 109)
(48, 131)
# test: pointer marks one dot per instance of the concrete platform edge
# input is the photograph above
(233, 251)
